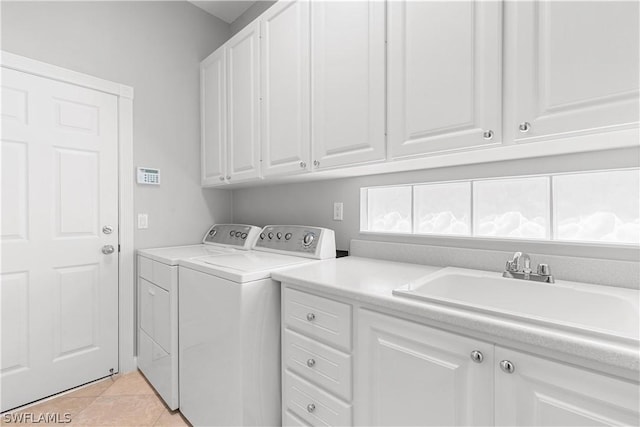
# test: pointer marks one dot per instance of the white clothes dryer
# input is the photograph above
(229, 310)
(158, 301)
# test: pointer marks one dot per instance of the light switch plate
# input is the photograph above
(143, 221)
(337, 211)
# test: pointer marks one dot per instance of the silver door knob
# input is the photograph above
(108, 249)
(311, 407)
(311, 317)
(316, 163)
(311, 363)
(107, 229)
(525, 127)
(507, 367)
(487, 134)
(303, 165)
(477, 356)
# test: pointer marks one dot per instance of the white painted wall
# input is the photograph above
(312, 203)
(156, 47)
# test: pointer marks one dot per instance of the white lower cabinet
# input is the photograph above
(410, 374)
(402, 372)
(540, 392)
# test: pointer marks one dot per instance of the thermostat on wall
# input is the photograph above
(148, 176)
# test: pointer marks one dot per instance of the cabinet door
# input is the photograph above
(243, 86)
(444, 62)
(544, 393)
(572, 67)
(213, 105)
(411, 374)
(348, 88)
(285, 90)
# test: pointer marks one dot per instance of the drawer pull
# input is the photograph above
(311, 363)
(311, 407)
(477, 356)
(311, 317)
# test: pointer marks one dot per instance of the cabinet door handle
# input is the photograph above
(311, 407)
(316, 163)
(222, 178)
(507, 367)
(487, 134)
(311, 363)
(228, 177)
(477, 356)
(311, 317)
(303, 165)
(524, 127)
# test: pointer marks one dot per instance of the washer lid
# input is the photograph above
(243, 266)
(172, 255)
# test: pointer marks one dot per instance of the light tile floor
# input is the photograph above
(122, 401)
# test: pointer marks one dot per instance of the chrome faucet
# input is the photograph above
(519, 267)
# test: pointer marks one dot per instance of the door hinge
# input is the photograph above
(118, 247)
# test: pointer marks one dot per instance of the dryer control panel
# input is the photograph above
(239, 236)
(309, 242)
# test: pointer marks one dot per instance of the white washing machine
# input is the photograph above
(229, 309)
(158, 301)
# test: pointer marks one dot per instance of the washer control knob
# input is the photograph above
(261, 236)
(212, 233)
(288, 236)
(243, 235)
(232, 233)
(279, 235)
(308, 239)
(270, 235)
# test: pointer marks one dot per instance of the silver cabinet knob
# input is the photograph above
(487, 134)
(311, 407)
(311, 363)
(108, 249)
(303, 165)
(228, 177)
(316, 163)
(525, 127)
(507, 367)
(477, 356)
(222, 178)
(311, 317)
(107, 229)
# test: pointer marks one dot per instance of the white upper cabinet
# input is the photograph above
(285, 88)
(213, 106)
(444, 62)
(243, 104)
(572, 67)
(348, 87)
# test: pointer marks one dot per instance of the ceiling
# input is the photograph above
(227, 10)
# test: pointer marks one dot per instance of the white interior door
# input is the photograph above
(58, 290)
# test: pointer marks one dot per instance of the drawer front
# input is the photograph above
(319, 363)
(157, 273)
(318, 317)
(313, 405)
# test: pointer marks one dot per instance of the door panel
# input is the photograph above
(411, 374)
(213, 105)
(243, 85)
(572, 75)
(445, 61)
(59, 187)
(544, 393)
(285, 86)
(348, 73)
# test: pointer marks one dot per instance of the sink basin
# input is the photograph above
(590, 308)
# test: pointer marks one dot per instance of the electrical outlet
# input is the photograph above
(337, 211)
(143, 221)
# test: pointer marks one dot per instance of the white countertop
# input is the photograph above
(371, 282)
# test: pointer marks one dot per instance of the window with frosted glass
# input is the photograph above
(389, 209)
(513, 208)
(597, 207)
(443, 208)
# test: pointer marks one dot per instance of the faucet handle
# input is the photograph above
(543, 270)
(510, 266)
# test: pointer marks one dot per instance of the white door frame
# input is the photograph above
(126, 315)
